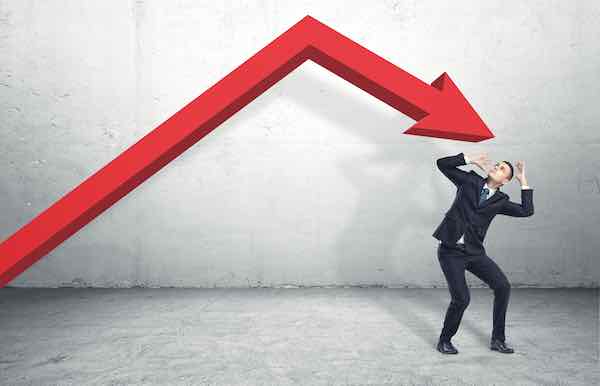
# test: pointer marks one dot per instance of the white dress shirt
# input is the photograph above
(490, 192)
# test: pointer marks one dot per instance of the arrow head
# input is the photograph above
(451, 116)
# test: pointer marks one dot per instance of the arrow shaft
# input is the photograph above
(307, 39)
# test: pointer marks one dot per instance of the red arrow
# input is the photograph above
(440, 109)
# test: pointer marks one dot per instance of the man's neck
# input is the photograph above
(492, 184)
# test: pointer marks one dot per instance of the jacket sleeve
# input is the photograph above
(515, 210)
(448, 166)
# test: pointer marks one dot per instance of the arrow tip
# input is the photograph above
(451, 116)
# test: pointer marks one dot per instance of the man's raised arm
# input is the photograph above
(526, 208)
(448, 166)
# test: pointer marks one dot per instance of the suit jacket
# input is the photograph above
(465, 216)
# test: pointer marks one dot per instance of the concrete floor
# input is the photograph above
(284, 336)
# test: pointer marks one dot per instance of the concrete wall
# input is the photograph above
(313, 183)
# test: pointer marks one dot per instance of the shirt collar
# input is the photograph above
(492, 190)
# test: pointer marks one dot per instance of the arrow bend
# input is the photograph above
(440, 110)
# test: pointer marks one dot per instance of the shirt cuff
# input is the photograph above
(525, 187)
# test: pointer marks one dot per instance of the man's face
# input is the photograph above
(500, 173)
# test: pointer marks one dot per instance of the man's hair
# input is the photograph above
(512, 170)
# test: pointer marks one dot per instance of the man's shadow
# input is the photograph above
(388, 204)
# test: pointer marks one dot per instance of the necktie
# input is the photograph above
(483, 195)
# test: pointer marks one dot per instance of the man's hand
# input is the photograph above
(481, 160)
(520, 172)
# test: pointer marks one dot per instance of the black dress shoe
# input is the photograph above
(498, 345)
(446, 347)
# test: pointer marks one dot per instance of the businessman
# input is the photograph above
(462, 232)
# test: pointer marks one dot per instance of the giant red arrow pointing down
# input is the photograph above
(439, 109)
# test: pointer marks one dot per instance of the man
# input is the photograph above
(462, 233)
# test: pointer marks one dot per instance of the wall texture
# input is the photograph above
(313, 183)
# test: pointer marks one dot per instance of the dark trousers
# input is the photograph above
(454, 261)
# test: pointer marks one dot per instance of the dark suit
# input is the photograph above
(467, 217)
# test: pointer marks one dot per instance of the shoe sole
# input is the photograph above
(447, 352)
(503, 352)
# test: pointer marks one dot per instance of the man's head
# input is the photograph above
(501, 173)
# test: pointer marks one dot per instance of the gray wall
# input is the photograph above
(313, 183)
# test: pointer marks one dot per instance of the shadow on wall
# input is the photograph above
(386, 206)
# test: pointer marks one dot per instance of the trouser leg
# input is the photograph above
(454, 270)
(488, 271)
